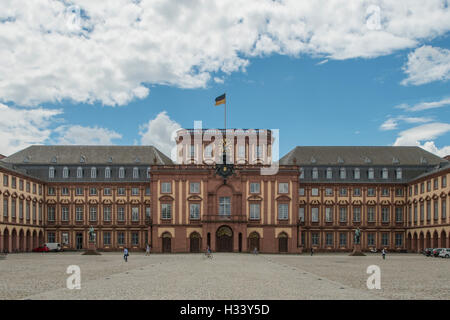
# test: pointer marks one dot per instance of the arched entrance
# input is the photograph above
(435, 239)
(415, 243)
(421, 242)
(14, 240)
(253, 241)
(443, 239)
(35, 240)
(41, 239)
(6, 244)
(166, 242)
(428, 240)
(195, 240)
(28, 247)
(283, 242)
(409, 242)
(21, 241)
(224, 239)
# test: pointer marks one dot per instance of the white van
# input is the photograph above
(53, 246)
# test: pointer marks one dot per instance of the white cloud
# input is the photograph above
(427, 64)
(76, 134)
(425, 105)
(120, 47)
(160, 133)
(20, 128)
(392, 122)
(423, 136)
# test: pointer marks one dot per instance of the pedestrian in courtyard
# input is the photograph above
(383, 253)
(125, 254)
(147, 250)
(312, 251)
(255, 251)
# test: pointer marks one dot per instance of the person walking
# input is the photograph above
(312, 251)
(125, 254)
(147, 250)
(383, 253)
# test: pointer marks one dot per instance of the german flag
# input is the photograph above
(220, 100)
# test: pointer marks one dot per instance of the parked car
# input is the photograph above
(445, 253)
(427, 251)
(436, 251)
(43, 248)
(53, 246)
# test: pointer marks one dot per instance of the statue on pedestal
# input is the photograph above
(357, 236)
(91, 234)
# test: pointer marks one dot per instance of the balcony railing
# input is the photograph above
(224, 218)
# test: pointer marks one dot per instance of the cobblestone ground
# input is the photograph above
(226, 276)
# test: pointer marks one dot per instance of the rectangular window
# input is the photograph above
(398, 239)
(40, 212)
(315, 239)
(93, 214)
(51, 213)
(5, 207)
(385, 214)
(255, 187)
(370, 192)
(121, 238)
(444, 182)
(415, 213)
(107, 238)
(28, 187)
(385, 239)
(329, 239)
(147, 191)
(194, 211)
(51, 237)
(121, 191)
(166, 211)
(107, 213)
(51, 191)
(79, 213)
(93, 191)
(134, 191)
(13, 208)
(27, 212)
(328, 191)
(20, 209)
(166, 187)
(301, 191)
(135, 214)
(428, 210)
(65, 238)
(64, 191)
(283, 187)
(371, 214)
(79, 191)
(5, 180)
(428, 186)
(328, 214)
(34, 188)
(255, 211)
(314, 214)
(398, 214)
(21, 185)
(135, 238)
(399, 192)
(121, 214)
(357, 214)
(283, 211)
(435, 184)
(342, 239)
(343, 192)
(301, 214)
(148, 213)
(194, 187)
(342, 214)
(384, 192)
(370, 239)
(13, 182)
(357, 192)
(224, 206)
(315, 191)
(444, 209)
(64, 213)
(107, 191)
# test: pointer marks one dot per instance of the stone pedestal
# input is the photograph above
(92, 249)
(357, 250)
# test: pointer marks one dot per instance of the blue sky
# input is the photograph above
(320, 96)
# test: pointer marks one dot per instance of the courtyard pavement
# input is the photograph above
(226, 276)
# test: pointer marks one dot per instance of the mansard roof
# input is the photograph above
(76, 154)
(360, 156)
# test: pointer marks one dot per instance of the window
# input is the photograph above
(192, 151)
(147, 191)
(148, 172)
(357, 174)
(384, 173)
(241, 151)
(385, 214)
(107, 173)
(384, 239)
(135, 214)
(398, 240)
(79, 213)
(5, 207)
(283, 187)
(398, 173)
(65, 172)
(51, 213)
(121, 173)
(135, 173)
(357, 214)
(371, 173)
(107, 191)
(259, 152)
(301, 214)
(328, 191)
(13, 208)
(65, 238)
(40, 190)
(283, 211)
(134, 238)
(444, 182)
(134, 191)
(64, 213)
(93, 172)
(329, 239)
(384, 192)
(415, 213)
(315, 173)
(342, 214)
(121, 238)
(444, 209)
(20, 209)
(357, 192)
(21, 185)
(428, 210)
(343, 192)
(166, 211)
(106, 213)
(107, 238)
(342, 173)
(329, 173)
(208, 151)
(301, 191)
(415, 190)
(370, 192)
(79, 172)
(166, 187)
(51, 172)
(428, 186)
(27, 212)
(398, 214)
(254, 211)
(28, 187)
(194, 187)
(13, 182)
(121, 214)
(315, 239)
(314, 214)
(422, 188)
(328, 214)
(342, 239)
(148, 213)
(194, 211)
(34, 212)
(224, 206)
(93, 191)
(93, 214)
(64, 191)
(51, 237)
(34, 188)
(121, 191)
(302, 173)
(399, 192)
(370, 239)
(435, 184)
(315, 191)
(79, 191)
(255, 187)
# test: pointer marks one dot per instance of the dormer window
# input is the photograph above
(313, 160)
(148, 173)
(54, 160)
(384, 173)
(423, 160)
(329, 173)
(93, 172)
(370, 174)
(65, 172)
(398, 173)
(51, 172)
(302, 173)
(79, 172)
(135, 173)
(121, 173)
(342, 173)
(340, 160)
(315, 173)
(357, 173)
(107, 173)
(82, 159)
(367, 160)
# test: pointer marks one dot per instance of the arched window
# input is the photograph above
(65, 172)
(370, 173)
(51, 172)
(357, 173)
(121, 173)
(107, 172)
(343, 173)
(385, 173)
(93, 172)
(329, 173)
(315, 173)
(135, 173)
(398, 173)
(79, 172)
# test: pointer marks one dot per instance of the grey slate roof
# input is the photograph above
(71, 155)
(360, 155)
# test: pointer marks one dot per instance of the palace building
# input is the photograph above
(224, 191)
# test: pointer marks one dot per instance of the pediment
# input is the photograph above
(120, 201)
(41, 201)
(301, 202)
(194, 198)
(443, 195)
(283, 198)
(254, 198)
(65, 201)
(315, 202)
(415, 201)
(428, 198)
(343, 202)
(107, 201)
(93, 201)
(51, 201)
(21, 197)
(329, 202)
(28, 198)
(134, 201)
(6, 193)
(399, 202)
(147, 201)
(357, 202)
(421, 199)
(371, 202)
(79, 201)
(14, 195)
(166, 198)
(435, 196)
(385, 202)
